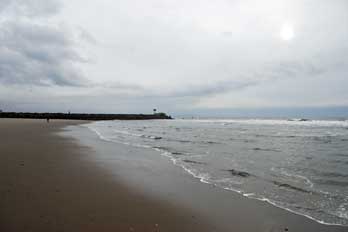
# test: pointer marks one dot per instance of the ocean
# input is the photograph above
(297, 165)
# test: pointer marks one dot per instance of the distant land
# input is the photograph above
(81, 116)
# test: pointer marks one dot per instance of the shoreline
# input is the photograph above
(60, 176)
(264, 215)
(49, 184)
(204, 179)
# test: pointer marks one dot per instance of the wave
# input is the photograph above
(206, 177)
(137, 135)
(340, 155)
(306, 179)
(338, 161)
(333, 182)
(320, 173)
(334, 174)
(265, 149)
(113, 140)
(287, 208)
(342, 209)
(194, 142)
(167, 149)
(127, 133)
(310, 123)
(99, 134)
(317, 137)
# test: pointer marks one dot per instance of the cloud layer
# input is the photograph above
(33, 50)
(130, 55)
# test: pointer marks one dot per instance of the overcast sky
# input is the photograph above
(178, 56)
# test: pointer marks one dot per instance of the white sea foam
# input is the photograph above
(323, 123)
(99, 134)
(306, 179)
(127, 133)
(343, 209)
(152, 141)
(228, 181)
(281, 205)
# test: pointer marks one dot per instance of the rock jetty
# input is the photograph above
(78, 116)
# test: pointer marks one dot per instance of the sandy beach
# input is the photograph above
(60, 176)
(46, 185)
(173, 116)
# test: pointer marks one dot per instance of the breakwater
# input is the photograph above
(82, 116)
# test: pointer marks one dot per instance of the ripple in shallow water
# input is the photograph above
(314, 154)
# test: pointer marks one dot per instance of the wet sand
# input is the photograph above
(47, 184)
(148, 172)
(69, 180)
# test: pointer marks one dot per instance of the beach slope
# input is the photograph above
(47, 185)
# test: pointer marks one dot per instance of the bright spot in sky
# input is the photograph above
(287, 32)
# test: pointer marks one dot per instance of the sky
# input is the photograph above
(181, 57)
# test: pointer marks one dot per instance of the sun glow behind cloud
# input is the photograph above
(287, 32)
(207, 55)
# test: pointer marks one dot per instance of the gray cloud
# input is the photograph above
(226, 53)
(206, 89)
(320, 64)
(36, 53)
(30, 8)
(4, 4)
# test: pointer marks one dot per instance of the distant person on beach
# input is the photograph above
(48, 120)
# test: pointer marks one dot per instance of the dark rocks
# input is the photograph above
(239, 173)
(177, 153)
(265, 149)
(193, 162)
(288, 186)
(92, 117)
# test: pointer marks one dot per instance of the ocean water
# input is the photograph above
(301, 166)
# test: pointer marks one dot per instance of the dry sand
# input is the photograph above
(46, 185)
(55, 180)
